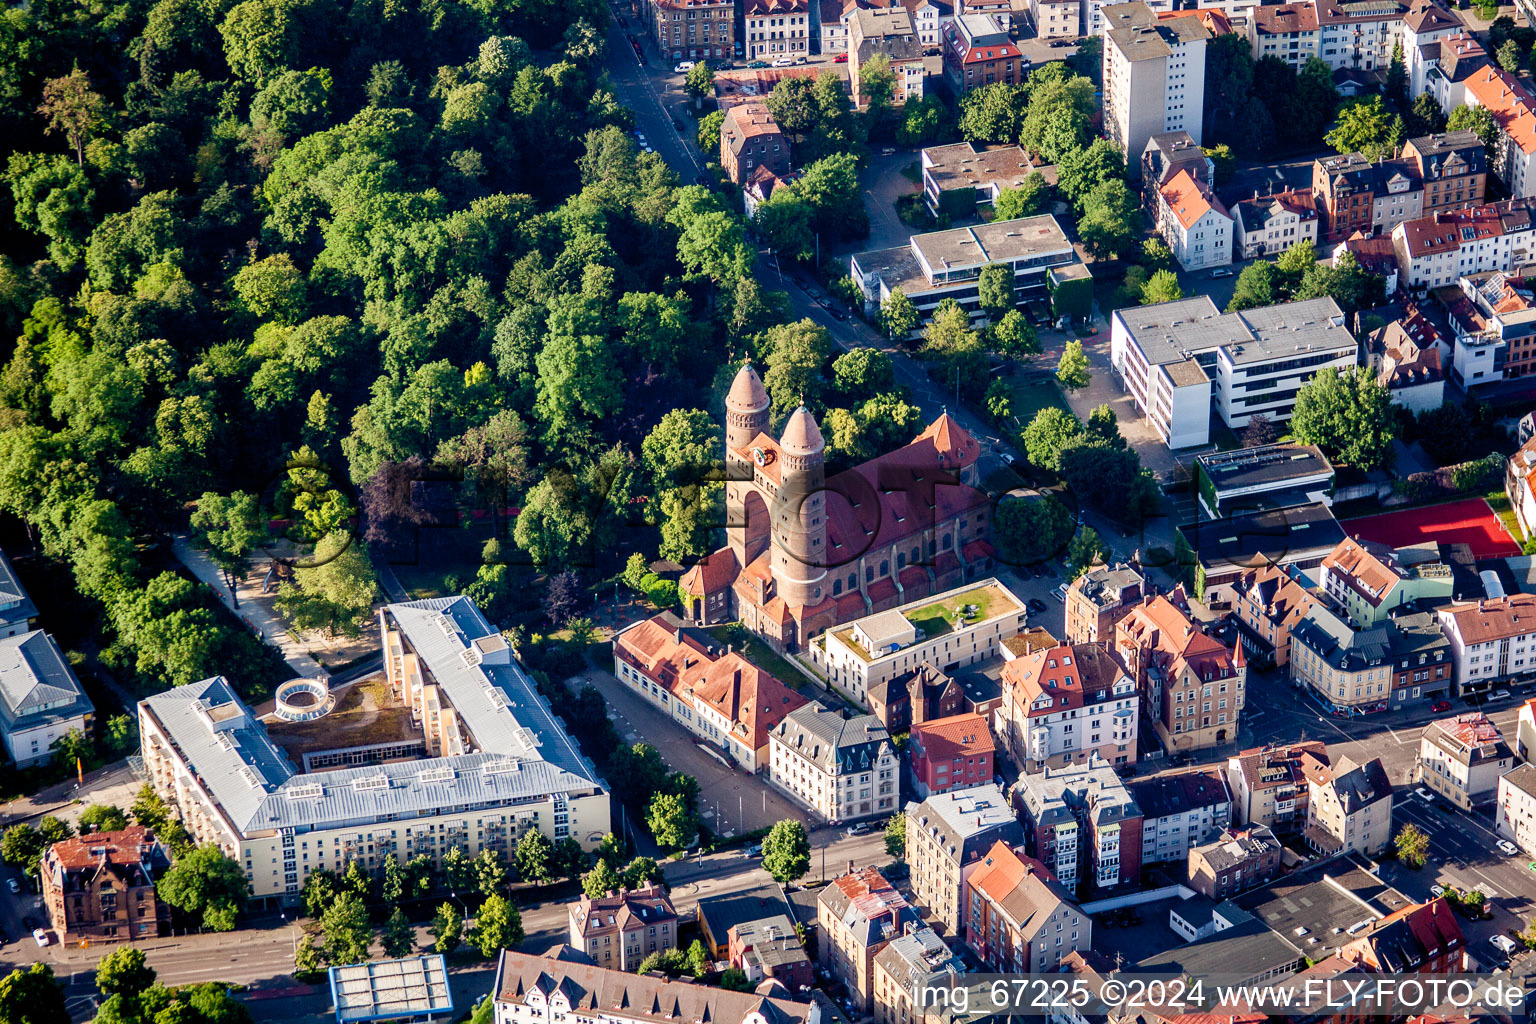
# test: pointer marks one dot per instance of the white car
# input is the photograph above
(1500, 695)
(640, 137)
(1437, 890)
(1509, 848)
(13, 885)
(1503, 943)
(783, 62)
(1060, 593)
(1423, 794)
(684, 67)
(39, 936)
(1223, 272)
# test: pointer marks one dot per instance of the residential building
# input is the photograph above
(921, 694)
(1423, 938)
(1098, 598)
(798, 557)
(770, 949)
(912, 962)
(759, 187)
(41, 701)
(1435, 251)
(1269, 786)
(1082, 823)
(533, 989)
(1165, 155)
(1180, 811)
(999, 12)
(950, 754)
(479, 760)
(1515, 817)
(18, 614)
(842, 767)
(1513, 158)
(1269, 602)
(1461, 758)
(1289, 32)
(928, 20)
(1269, 225)
(940, 265)
(1281, 475)
(1367, 582)
(1452, 167)
(1056, 19)
(692, 29)
(856, 916)
(1421, 659)
(1349, 806)
(978, 53)
(100, 887)
(1181, 359)
(1359, 34)
(885, 32)
(1373, 197)
(1493, 322)
(1372, 253)
(1520, 486)
(1411, 360)
(1238, 860)
(1448, 66)
(1068, 704)
(1192, 687)
(750, 140)
(1021, 919)
(620, 929)
(1425, 28)
(1348, 669)
(1490, 640)
(776, 28)
(1525, 731)
(947, 834)
(959, 180)
(1154, 76)
(718, 916)
(948, 631)
(1224, 549)
(712, 692)
(1194, 223)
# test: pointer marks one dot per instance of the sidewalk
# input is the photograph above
(255, 610)
(114, 784)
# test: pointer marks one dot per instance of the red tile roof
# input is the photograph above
(1190, 199)
(1065, 673)
(945, 739)
(123, 848)
(1509, 101)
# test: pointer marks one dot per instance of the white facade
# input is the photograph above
(1167, 838)
(1492, 246)
(928, 22)
(777, 28)
(1282, 226)
(1489, 654)
(1205, 241)
(1056, 19)
(1515, 816)
(1154, 77)
(824, 778)
(1359, 42)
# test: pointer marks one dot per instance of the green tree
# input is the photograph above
(272, 289)
(102, 818)
(306, 960)
(877, 82)
(231, 527)
(1084, 550)
(1349, 415)
(124, 972)
(1364, 127)
(533, 856)
(73, 109)
(205, 883)
(993, 113)
(399, 937)
(669, 820)
(347, 931)
(1226, 162)
(1255, 287)
(32, 995)
(999, 400)
(787, 852)
(490, 872)
(896, 836)
(643, 871)
(1426, 117)
(1474, 119)
(498, 926)
(1162, 286)
(708, 135)
(1014, 336)
(699, 81)
(995, 289)
(1026, 199)
(1155, 255)
(600, 880)
(1083, 170)
(898, 316)
(1028, 531)
(1396, 89)
(1110, 221)
(320, 889)
(447, 929)
(336, 593)
(1311, 104)
(795, 355)
(1052, 431)
(949, 329)
(1412, 846)
(1510, 57)
(784, 223)
(1072, 368)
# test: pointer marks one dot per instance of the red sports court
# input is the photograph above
(1469, 521)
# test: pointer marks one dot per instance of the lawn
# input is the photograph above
(1499, 502)
(442, 553)
(759, 654)
(1031, 394)
(940, 617)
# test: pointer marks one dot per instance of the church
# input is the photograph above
(804, 553)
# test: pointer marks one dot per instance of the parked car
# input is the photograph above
(841, 58)
(861, 829)
(1503, 943)
(755, 850)
(1060, 593)
(1423, 794)
(683, 67)
(1037, 606)
(1223, 272)
(13, 885)
(1009, 459)
(39, 936)
(1437, 890)
(1509, 849)
(757, 64)
(783, 62)
(1060, 42)
(1440, 705)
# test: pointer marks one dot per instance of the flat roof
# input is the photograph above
(1001, 240)
(388, 989)
(1274, 536)
(1313, 909)
(961, 165)
(1265, 465)
(1173, 332)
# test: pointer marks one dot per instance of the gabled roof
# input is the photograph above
(1070, 675)
(36, 683)
(1190, 199)
(1510, 102)
(957, 736)
(830, 741)
(1021, 887)
(12, 592)
(1280, 19)
(1425, 16)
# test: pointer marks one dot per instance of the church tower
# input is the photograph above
(746, 416)
(799, 514)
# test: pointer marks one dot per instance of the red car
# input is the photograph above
(841, 58)
(1440, 705)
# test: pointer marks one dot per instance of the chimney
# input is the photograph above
(850, 867)
(678, 634)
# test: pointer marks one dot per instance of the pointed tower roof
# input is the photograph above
(801, 434)
(747, 392)
(1240, 659)
(955, 445)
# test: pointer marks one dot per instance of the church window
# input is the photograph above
(869, 573)
(885, 567)
(914, 552)
(853, 580)
(901, 560)
(837, 587)
(947, 540)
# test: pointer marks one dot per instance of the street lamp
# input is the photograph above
(293, 930)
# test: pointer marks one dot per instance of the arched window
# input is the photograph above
(837, 587)
(885, 567)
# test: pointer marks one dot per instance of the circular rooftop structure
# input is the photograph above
(303, 700)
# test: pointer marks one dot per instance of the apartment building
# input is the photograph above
(999, 12)
(1421, 659)
(1269, 225)
(1068, 704)
(1181, 811)
(1289, 32)
(1513, 158)
(950, 753)
(1082, 823)
(750, 139)
(947, 834)
(885, 32)
(1462, 758)
(940, 265)
(915, 961)
(959, 179)
(1425, 27)
(1056, 19)
(1366, 582)
(1354, 194)
(1349, 806)
(100, 887)
(1520, 486)
(1515, 816)
(620, 929)
(1192, 687)
(18, 614)
(1421, 938)
(41, 701)
(483, 761)
(1493, 324)
(928, 20)
(1270, 601)
(1359, 34)
(978, 53)
(1194, 223)
(1411, 360)
(1021, 919)
(1348, 669)
(776, 28)
(769, 949)
(922, 694)
(1453, 168)
(877, 648)
(1447, 68)
(1236, 861)
(1154, 77)
(1269, 785)
(1438, 250)
(1181, 359)
(1098, 598)
(692, 29)
(1490, 640)
(841, 767)
(1164, 156)
(856, 916)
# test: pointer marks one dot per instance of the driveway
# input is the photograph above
(883, 184)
